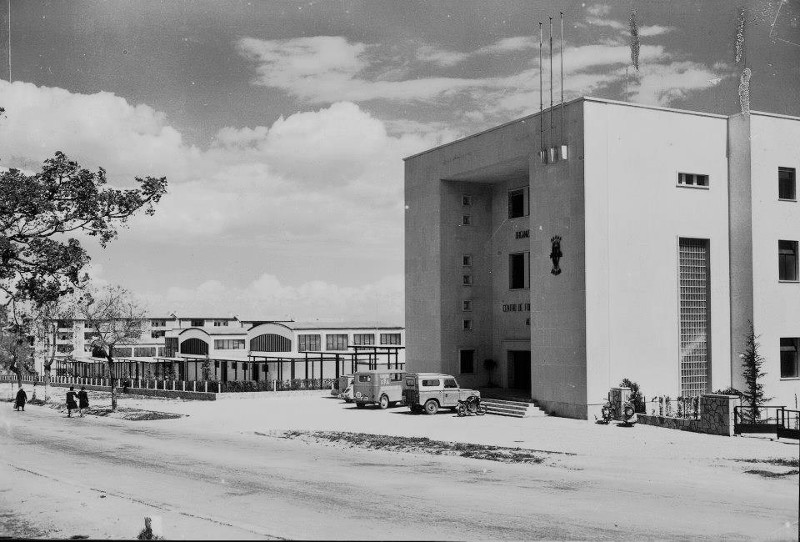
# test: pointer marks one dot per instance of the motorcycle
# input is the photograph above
(471, 406)
(608, 413)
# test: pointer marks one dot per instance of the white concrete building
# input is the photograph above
(640, 251)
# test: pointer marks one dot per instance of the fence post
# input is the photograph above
(205, 386)
(183, 385)
(194, 385)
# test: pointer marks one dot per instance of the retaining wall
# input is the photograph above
(716, 417)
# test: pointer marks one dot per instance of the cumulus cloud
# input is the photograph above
(267, 297)
(347, 72)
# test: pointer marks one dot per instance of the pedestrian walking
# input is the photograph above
(71, 404)
(83, 400)
(20, 400)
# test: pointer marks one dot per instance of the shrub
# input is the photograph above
(729, 391)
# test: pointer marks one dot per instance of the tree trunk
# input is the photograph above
(46, 383)
(113, 383)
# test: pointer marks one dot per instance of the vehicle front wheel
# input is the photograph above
(431, 407)
(384, 402)
(360, 405)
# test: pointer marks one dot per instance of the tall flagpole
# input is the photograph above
(9, 41)
(551, 79)
(562, 78)
(541, 91)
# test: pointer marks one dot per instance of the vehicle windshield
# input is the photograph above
(410, 382)
(450, 383)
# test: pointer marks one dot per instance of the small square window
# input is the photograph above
(695, 180)
(787, 183)
(467, 280)
(467, 325)
(517, 203)
(789, 357)
(466, 220)
(787, 260)
(466, 200)
(466, 260)
(466, 305)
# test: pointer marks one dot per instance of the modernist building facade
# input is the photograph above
(235, 347)
(604, 240)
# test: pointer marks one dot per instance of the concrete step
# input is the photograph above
(516, 409)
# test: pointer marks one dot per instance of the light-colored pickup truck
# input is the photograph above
(432, 391)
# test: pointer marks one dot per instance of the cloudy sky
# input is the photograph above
(281, 126)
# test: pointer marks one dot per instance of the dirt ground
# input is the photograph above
(314, 467)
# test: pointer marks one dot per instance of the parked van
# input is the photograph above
(432, 391)
(343, 388)
(382, 387)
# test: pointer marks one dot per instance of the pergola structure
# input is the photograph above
(254, 368)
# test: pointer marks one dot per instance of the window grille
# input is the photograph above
(695, 318)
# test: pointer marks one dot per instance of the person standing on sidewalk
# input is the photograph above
(20, 401)
(71, 404)
(83, 400)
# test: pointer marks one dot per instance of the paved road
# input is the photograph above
(99, 477)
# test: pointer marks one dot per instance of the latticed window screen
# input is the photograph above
(695, 316)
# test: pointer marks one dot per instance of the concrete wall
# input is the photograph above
(635, 215)
(740, 210)
(510, 329)
(458, 240)
(775, 142)
(558, 302)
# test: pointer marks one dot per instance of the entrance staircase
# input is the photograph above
(502, 403)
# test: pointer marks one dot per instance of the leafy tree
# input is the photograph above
(752, 362)
(38, 262)
(115, 318)
(16, 350)
(44, 319)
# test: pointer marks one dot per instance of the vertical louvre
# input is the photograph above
(695, 316)
(270, 342)
(197, 347)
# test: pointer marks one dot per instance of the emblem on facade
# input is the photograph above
(555, 254)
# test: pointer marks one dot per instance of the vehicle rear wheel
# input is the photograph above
(360, 405)
(384, 402)
(461, 410)
(431, 407)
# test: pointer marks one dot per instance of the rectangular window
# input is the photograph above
(518, 202)
(336, 342)
(390, 338)
(466, 305)
(519, 270)
(364, 339)
(64, 324)
(467, 361)
(695, 316)
(787, 260)
(158, 333)
(787, 183)
(198, 323)
(161, 351)
(694, 180)
(229, 344)
(144, 351)
(309, 343)
(430, 383)
(220, 323)
(158, 323)
(63, 348)
(466, 280)
(467, 324)
(466, 260)
(789, 360)
(466, 200)
(466, 220)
